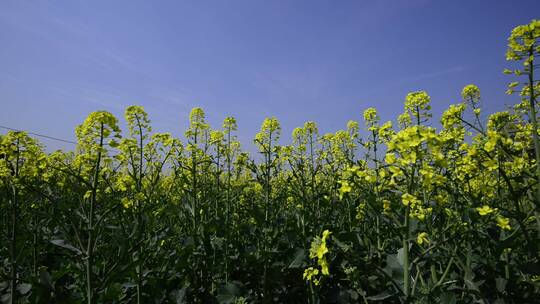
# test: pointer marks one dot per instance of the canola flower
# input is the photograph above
(485, 210)
(370, 115)
(409, 199)
(503, 223)
(422, 238)
(318, 251)
(344, 189)
(386, 206)
(310, 274)
(471, 92)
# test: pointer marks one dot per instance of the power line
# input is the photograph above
(40, 135)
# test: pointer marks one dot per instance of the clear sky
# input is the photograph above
(296, 60)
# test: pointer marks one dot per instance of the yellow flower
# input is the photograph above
(370, 178)
(309, 273)
(390, 158)
(503, 222)
(87, 194)
(325, 235)
(410, 158)
(408, 199)
(361, 211)
(345, 188)
(126, 202)
(485, 210)
(471, 92)
(451, 118)
(491, 164)
(493, 137)
(396, 171)
(418, 212)
(370, 114)
(324, 266)
(319, 250)
(422, 238)
(386, 205)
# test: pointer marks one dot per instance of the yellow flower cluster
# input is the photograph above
(361, 211)
(451, 118)
(485, 210)
(521, 40)
(417, 211)
(345, 188)
(311, 274)
(422, 238)
(471, 93)
(408, 142)
(386, 206)
(501, 221)
(370, 116)
(318, 251)
(417, 105)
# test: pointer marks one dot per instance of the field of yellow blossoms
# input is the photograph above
(406, 213)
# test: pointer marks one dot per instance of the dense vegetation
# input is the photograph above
(405, 213)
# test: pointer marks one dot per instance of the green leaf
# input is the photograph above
(24, 288)
(178, 295)
(381, 296)
(501, 284)
(228, 292)
(298, 260)
(448, 298)
(64, 244)
(400, 257)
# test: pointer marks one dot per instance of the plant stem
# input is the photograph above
(405, 242)
(90, 247)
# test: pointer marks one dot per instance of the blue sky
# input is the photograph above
(296, 60)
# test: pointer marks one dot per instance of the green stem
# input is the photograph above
(90, 247)
(14, 222)
(405, 242)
